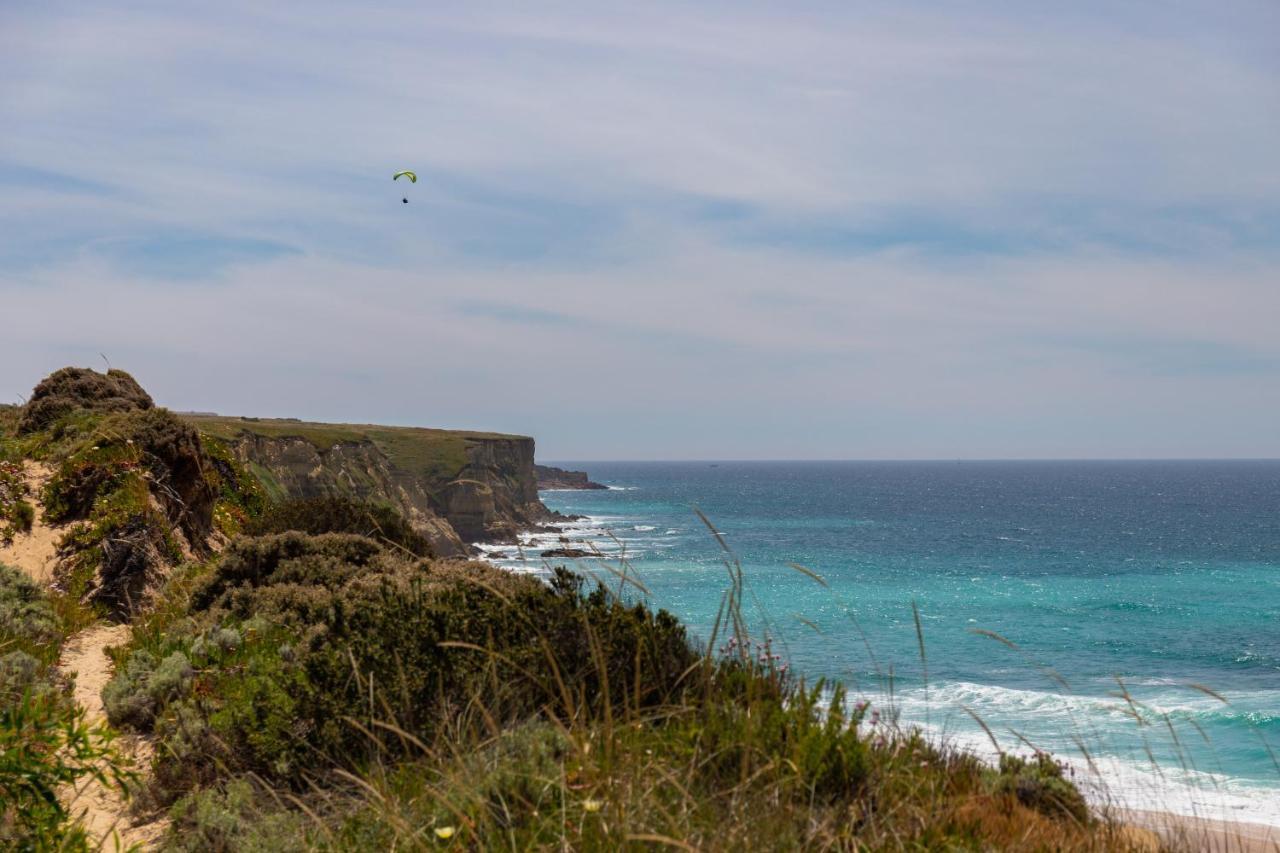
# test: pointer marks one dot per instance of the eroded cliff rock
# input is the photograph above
(454, 487)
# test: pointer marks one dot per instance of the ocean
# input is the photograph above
(1122, 615)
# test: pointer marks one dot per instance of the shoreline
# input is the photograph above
(1182, 807)
(1202, 833)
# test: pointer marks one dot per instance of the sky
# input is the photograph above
(730, 230)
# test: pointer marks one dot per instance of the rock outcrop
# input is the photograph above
(455, 488)
(550, 477)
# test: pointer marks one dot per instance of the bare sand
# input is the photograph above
(102, 809)
(35, 553)
(1206, 834)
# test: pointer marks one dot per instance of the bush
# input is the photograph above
(74, 389)
(337, 514)
(24, 516)
(296, 639)
(1038, 784)
(135, 482)
(236, 817)
(45, 742)
(16, 514)
(27, 618)
(46, 745)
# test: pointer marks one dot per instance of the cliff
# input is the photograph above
(550, 477)
(454, 487)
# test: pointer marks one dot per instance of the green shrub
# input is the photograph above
(1038, 784)
(134, 696)
(299, 642)
(236, 817)
(24, 516)
(27, 618)
(241, 497)
(45, 743)
(135, 485)
(337, 514)
(16, 514)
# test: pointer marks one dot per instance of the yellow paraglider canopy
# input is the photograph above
(412, 176)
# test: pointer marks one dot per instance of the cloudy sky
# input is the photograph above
(652, 230)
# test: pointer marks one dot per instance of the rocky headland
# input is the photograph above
(550, 477)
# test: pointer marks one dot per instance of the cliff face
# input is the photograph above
(453, 487)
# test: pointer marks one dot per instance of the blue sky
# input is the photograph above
(661, 230)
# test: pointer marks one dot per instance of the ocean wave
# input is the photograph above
(623, 488)
(1087, 741)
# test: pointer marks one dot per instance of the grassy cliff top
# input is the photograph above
(433, 453)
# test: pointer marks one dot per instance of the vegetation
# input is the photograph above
(45, 742)
(335, 514)
(329, 692)
(16, 512)
(137, 486)
(77, 389)
(315, 680)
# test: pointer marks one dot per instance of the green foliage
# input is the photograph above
(241, 498)
(1038, 783)
(134, 695)
(137, 479)
(237, 817)
(333, 631)
(336, 514)
(17, 515)
(45, 742)
(28, 621)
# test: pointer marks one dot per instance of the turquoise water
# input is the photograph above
(1146, 577)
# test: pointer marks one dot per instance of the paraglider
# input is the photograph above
(412, 176)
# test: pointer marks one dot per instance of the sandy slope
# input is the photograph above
(36, 552)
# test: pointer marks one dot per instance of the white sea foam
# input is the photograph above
(1098, 738)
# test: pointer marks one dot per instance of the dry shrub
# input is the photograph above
(73, 389)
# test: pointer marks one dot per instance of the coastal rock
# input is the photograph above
(550, 477)
(452, 487)
(569, 553)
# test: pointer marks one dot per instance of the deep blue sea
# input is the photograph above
(1156, 579)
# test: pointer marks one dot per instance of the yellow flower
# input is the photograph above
(445, 832)
(592, 805)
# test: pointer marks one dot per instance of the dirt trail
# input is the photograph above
(36, 552)
(102, 809)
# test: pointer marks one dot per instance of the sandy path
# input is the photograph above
(102, 809)
(36, 552)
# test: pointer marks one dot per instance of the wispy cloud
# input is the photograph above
(863, 229)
